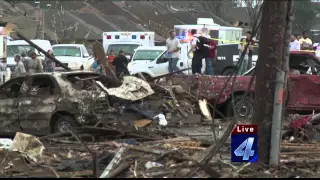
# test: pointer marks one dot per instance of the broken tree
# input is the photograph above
(271, 60)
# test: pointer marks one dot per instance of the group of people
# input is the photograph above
(301, 43)
(32, 64)
(201, 47)
(120, 63)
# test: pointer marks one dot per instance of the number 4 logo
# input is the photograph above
(245, 149)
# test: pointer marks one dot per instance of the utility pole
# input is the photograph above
(40, 16)
(271, 62)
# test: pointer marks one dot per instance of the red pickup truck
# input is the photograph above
(303, 87)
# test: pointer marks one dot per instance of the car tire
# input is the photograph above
(243, 108)
(228, 71)
(64, 121)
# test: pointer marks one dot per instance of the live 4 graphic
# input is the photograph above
(244, 143)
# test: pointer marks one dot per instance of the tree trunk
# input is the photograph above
(271, 48)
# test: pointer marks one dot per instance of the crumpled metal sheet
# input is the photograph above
(132, 89)
(28, 145)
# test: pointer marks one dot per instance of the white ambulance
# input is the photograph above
(126, 41)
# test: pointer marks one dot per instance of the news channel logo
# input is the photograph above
(244, 143)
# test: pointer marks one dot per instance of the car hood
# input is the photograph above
(68, 58)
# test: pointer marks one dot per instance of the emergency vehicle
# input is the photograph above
(227, 39)
(126, 41)
(152, 61)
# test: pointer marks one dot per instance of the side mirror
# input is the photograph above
(86, 55)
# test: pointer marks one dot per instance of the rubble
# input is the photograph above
(143, 130)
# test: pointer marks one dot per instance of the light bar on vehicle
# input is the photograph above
(117, 37)
(141, 36)
(109, 37)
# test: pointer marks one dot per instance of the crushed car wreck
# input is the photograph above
(49, 102)
(303, 85)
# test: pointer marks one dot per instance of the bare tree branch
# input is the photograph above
(215, 7)
(62, 29)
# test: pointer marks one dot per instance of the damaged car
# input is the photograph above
(302, 92)
(51, 102)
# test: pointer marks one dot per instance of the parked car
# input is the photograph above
(75, 56)
(303, 88)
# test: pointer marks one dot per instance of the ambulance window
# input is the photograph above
(147, 54)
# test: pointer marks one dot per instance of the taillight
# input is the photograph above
(109, 37)
(141, 36)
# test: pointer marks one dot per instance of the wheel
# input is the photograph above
(228, 71)
(64, 123)
(243, 108)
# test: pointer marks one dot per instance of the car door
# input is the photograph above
(9, 121)
(303, 89)
(160, 65)
(37, 102)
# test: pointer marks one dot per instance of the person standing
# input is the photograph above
(19, 69)
(210, 51)
(96, 66)
(121, 63)
(2, 69)
(173, 51)
(111, 56)
(49, 65)
(196, 64)
(305, 42)
(25, 61)
(34, 64)
(211, 58)
(244, 65)
(294, 43)
(250, 54)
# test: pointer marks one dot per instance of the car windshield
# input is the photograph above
(66, 51)
(18, 49)
(147, 54)
(128, 49)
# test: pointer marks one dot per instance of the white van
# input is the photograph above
(151, 61)
(21, 46)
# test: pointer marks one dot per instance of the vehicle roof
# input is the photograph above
(23, 42)
(57, 45)
(152, 48)
(303, 53)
